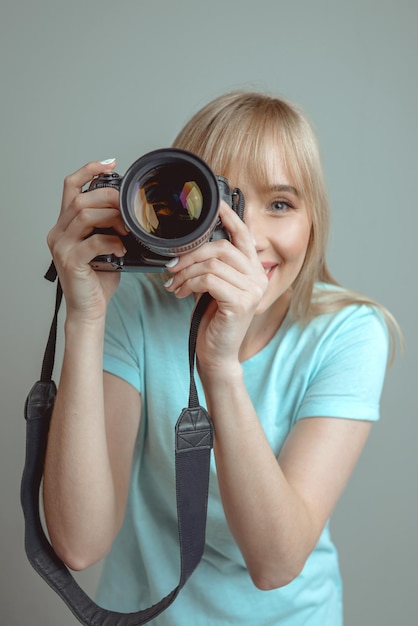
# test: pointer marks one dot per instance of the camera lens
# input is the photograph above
(169, 200)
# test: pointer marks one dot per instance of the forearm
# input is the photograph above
(268, 519)
(79, 496)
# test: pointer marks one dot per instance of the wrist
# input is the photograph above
(78, 329)
(227, 377)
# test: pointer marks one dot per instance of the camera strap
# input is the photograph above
(193, 444)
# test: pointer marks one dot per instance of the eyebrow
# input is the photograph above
(284, 188)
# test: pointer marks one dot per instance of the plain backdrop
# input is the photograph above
(85, 80)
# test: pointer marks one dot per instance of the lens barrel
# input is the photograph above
(169, 200)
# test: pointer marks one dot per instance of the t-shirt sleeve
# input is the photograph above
(351, 369)
(124, 336)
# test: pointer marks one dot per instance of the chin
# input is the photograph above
(263, 306)
(274, 301)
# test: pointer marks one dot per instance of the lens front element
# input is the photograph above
(169, 200)
(163, 210)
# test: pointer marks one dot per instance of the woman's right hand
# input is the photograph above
(86, 291)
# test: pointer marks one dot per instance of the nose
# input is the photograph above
(256, 226)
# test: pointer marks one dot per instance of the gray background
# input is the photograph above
(92, 80)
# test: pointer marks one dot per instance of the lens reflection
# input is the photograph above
(166, 205)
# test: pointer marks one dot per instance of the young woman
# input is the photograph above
(290, 365)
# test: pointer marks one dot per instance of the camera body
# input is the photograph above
(169, 201)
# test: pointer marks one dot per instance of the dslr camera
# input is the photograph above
(169, 201)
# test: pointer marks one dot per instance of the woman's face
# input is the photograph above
(279, 222)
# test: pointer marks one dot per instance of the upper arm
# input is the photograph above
(122, 415)
(317, 460)
(320, 452)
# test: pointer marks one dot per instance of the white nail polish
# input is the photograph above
(107, 161)
(168, 283)
(173, 262)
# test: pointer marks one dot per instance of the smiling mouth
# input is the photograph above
(269, 269)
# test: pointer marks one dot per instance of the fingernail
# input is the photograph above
(173, 262)
(107, 161)
(168, 283)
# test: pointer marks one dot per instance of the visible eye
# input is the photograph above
(281, 206)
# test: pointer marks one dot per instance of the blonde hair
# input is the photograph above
(236, 128)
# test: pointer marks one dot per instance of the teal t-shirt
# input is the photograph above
(334, 366)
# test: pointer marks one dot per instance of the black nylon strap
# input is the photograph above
(198, 312)
(49, 355)
(192, 462)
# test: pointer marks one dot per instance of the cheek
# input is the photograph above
(293, 240)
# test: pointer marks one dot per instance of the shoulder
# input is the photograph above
(344, 312)
(345, 352)
(344, 327)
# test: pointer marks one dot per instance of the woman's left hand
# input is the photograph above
(232, 274)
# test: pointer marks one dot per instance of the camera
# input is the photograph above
(169, 202)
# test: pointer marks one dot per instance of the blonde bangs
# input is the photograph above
(238, 128)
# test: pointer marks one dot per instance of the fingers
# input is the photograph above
(77, 257)
(221, 269)
(106, 197)
(73, 245)
(82, 212)
(239, 233)
(217, 258)
(69, 239)
(74, 183)
(227, 285)
(213, 276)
(81, 226)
